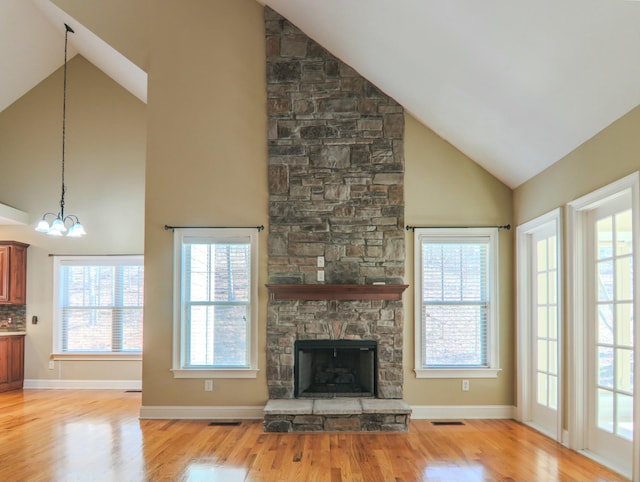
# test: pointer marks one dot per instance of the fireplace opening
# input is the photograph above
(335, 368)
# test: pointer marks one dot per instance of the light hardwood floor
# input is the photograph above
(82, 435)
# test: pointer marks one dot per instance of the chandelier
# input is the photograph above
(60, 220)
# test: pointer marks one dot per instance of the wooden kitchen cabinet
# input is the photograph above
(13, 273)
(11, 362)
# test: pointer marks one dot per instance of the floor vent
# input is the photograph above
(133, 391)
(447, 423)
(225, 422)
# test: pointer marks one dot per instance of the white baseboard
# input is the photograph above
(83, 384)
(202, 413)
(624, 471)
(456, 412)
(430, 412)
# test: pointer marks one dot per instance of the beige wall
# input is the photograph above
(443, 187)
(105, 155)
(206, 166)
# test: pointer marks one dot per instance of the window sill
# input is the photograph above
(211, 373)
(457, 372)
(96, 356)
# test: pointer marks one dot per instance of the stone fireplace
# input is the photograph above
(336, 215)
(337, 316)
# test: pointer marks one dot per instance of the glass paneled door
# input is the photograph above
(544, 329)
(610, 335)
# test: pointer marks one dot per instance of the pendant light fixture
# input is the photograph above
(60, 221)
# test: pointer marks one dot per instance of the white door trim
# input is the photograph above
(577, 310)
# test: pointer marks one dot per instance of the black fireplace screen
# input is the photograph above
(335, 368)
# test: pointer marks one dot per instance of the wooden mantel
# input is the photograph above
(349, 292)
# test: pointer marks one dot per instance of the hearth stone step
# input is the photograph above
(336, 415)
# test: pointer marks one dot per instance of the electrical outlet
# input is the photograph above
(52, 364)
(208, 385)
(321, 275)
(320, 261)
(465, 385)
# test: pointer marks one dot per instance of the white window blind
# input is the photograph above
(217, 301)
(99, 304)
(455, 303)
(456, 310)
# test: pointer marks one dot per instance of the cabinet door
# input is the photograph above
(16, 361)
(4, 273)
(11, 362)
(4, 362)
(18, 275)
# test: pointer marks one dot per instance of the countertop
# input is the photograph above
(12, 333)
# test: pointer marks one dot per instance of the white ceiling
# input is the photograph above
(515, 85)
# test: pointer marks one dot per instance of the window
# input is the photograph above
(215, 318)
(456, 302)
(98, 305)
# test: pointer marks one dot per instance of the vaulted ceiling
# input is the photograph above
(515, 86)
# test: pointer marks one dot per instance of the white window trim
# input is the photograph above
(179, 335)
(576, 212)
(108, 260)
(524, 304)
(492, 330)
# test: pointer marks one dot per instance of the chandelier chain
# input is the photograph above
(64, 113)
(59, 224)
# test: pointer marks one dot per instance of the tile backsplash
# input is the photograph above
(13, 317)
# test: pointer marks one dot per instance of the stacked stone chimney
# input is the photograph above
(336, 175)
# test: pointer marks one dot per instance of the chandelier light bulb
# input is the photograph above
(57, 225)
(76, 231)
(43, 226)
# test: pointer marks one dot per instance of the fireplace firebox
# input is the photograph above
(335, 368)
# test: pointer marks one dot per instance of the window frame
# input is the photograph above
(464, 235)
(83, 260)
(180, 338)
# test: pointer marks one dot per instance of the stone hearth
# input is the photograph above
(337, 415)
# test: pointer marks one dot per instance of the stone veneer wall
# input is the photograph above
(336, 174)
